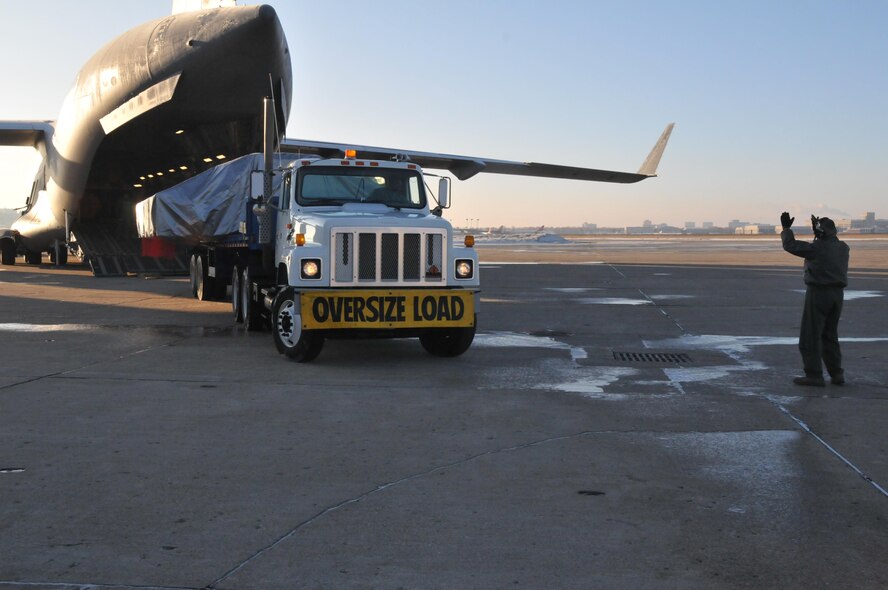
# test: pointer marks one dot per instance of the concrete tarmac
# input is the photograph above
(148, 442)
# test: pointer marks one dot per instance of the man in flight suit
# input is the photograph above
(826, 276)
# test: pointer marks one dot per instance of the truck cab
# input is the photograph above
(360, 251)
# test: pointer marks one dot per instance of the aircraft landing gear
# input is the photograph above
(7, 252)
(33, 257)
(59, 254)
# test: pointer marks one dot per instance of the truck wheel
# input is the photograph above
(33, 257)
(290, 339)
(249, 308)
(192, 272)
(7, 252)
(208, 288)
(201, 277)
(448, 342)
(236, 305)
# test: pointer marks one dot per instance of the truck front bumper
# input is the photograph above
(388, 309)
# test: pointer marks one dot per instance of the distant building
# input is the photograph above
(708, 225)
(690, 224)
(661, 228)
(868, 224)
(756, 229)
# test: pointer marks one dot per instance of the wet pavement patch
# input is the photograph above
(550, 334)
(613, 301)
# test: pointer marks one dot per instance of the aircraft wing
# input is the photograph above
(24, 133)
(465, 167)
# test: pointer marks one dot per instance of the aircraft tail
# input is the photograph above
(649, 168)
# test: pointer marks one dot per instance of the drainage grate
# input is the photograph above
(653, 357)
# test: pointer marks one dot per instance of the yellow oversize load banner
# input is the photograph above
(383, 309)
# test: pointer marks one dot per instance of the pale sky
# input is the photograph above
(778, 105)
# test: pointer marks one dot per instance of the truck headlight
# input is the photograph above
(311, 268)
(465, 269)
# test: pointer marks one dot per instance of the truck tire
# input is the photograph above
(290, 339)
(236, 305)
(202, 292)
(447, 342)
(7, 252)
(208, 288)
(192, 273)
(249, 309)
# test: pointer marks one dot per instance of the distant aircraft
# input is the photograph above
(168, 100)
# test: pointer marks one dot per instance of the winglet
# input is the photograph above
(649, 168)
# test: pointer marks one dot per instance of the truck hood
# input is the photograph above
(363, 215)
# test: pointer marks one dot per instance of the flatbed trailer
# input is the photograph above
(337, 248)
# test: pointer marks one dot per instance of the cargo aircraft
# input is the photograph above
(167, 100)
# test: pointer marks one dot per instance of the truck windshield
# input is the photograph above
(395, 187)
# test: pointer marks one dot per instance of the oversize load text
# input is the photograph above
(387, 310)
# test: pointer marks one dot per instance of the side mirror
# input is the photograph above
(444, 192)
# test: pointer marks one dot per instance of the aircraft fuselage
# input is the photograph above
(160, 103)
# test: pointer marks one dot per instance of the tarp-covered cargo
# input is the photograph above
(206, 207)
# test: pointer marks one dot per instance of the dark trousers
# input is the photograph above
(819, 338)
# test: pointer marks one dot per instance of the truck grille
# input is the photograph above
(388, 257)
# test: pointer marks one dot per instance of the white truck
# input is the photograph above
(344, 248)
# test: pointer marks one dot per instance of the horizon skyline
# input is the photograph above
(699, 221)
(790, 123)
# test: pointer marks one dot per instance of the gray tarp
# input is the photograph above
(205, 207)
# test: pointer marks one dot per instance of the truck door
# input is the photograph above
(282, 232)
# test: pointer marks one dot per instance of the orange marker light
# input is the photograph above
(469, 241)
(351, 153)
(300, 239)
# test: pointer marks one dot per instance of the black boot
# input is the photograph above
(812, 381)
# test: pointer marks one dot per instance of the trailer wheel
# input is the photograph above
(7, 252)
(236, 305)
(249, 309)
(201, 276)
(290, 339)
(448, 342)
(192, 272)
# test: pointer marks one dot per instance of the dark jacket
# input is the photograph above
(826, 259)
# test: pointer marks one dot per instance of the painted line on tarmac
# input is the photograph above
(854, 467)
(76, 586)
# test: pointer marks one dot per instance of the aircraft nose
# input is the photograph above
(205, 34)
(245, 27)
(267, 13)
